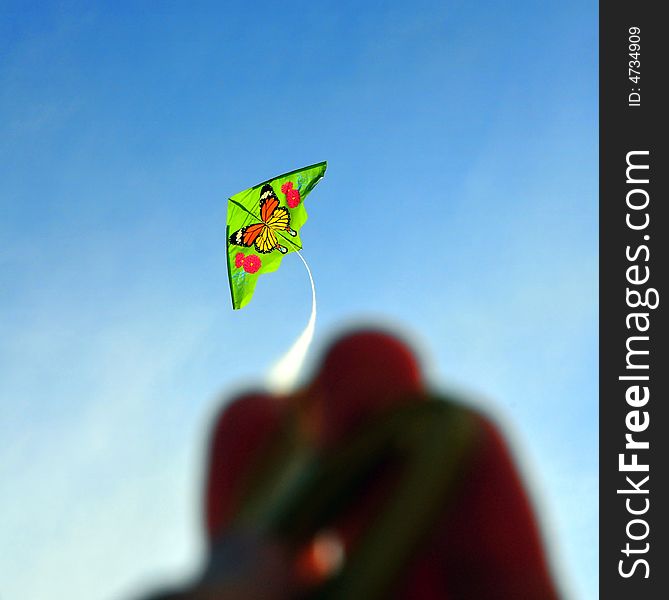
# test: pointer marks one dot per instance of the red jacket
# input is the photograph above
(483, 544)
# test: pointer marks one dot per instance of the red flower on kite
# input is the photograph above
(252, 263)
(239, 259)
(292, 194)
(293, 198)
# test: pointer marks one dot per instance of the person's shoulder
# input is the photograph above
(483, 429)
(250, 407)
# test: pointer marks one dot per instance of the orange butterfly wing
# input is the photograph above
(246, 236)
(268, 202)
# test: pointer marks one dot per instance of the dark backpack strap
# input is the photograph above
(433, 439)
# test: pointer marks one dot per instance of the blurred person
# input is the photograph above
(365, 484)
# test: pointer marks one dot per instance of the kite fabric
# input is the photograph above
(263, 225)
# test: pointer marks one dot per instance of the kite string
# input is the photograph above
(284, 373)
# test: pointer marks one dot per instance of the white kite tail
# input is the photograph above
(284, 373)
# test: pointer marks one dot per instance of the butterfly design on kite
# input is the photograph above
(274, 218)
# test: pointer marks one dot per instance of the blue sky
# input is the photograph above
(462, 135)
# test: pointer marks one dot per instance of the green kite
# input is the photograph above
(263, 225)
